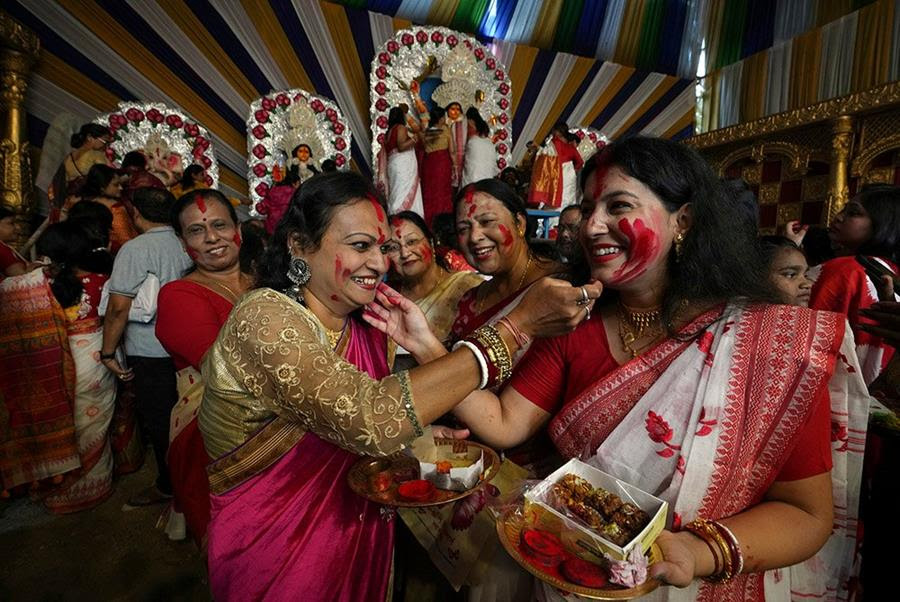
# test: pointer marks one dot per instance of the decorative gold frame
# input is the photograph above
(788, 134)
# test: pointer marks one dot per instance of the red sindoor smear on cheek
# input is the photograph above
(237, 237)
(426, 253)
(507, 235)
(192, 253)
(643, 248)
(340, 272)
(201, 204)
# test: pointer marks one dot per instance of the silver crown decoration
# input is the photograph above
(169, 138)
(591, 141)
(471, 74)
(280, 121)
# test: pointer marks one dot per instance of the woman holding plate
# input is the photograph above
(298, 384)
(687, 383)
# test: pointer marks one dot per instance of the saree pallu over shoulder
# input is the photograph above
(707, 423)
(284, 523)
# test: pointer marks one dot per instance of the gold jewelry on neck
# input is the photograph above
(480, 303)
(334, 336)
(633, 325)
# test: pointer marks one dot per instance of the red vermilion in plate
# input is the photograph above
(583, 572)
(419, 490)
(543, 546)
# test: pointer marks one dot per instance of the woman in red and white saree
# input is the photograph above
(404, 190)
(868, 225)
(691, 387)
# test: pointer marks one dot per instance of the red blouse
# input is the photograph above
(556, 371)
(843, 287)
(188, 319)
(8, 257)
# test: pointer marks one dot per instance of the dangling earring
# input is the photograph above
(298, 273)
(679, 240)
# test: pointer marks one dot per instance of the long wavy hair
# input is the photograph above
(71, 245)
(721, 258)
(308, 217)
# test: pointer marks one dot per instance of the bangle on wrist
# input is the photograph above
(479, 357)
(722, 544)
(107, 356)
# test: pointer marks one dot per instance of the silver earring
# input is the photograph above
(298, 273)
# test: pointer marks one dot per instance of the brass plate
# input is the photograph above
(509, 529)
(358, 476)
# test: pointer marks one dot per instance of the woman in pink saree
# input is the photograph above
(298, 384)
(689, 384)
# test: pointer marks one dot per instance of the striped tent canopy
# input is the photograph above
(654, 35)
(213, 58)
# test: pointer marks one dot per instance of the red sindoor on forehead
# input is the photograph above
(201, 204)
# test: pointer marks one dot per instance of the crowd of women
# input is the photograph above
(676, 351)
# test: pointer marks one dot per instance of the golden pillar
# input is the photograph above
(19, 49)
(838, 185)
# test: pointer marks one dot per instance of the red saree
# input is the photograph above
(294, 529)
(37, 383)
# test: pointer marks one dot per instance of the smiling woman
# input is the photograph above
(190, 312)
(298, 384)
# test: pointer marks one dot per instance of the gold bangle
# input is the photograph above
(496, 350)
(708, 532)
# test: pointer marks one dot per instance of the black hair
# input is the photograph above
(770, 245)
(308, 217)
(395, 117)
(511, 171)
(187, 178)
(253, 247)
(302, 145)
(329, 165)
(436, 114)
(95, 217)
(88, 130)
(481, 125)
(563, 128)
(186, 200)
(419, 222)
(443, 226)
(154, 204)
(817, 245)
(882, 203)
(504, 193)
(745, 201)
(720, 258)
(6, 212)
(134, 159)
(71, 245)
(570, 208)
(98, 178)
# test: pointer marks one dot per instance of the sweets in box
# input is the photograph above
(596, 512)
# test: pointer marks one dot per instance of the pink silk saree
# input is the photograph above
(284, 523)
(707, 424)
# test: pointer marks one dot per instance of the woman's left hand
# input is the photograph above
(680, 563)
(403, 321)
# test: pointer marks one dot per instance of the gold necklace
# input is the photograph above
(480, 303)
(334, 336)
(633, 324)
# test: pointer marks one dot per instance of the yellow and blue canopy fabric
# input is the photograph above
(852, 53)
(212, 58)
(653, 35)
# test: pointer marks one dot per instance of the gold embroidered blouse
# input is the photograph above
(272, 358)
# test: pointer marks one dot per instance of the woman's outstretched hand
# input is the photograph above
(403, 321)
(552, 307)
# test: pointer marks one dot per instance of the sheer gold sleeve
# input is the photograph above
(281, 357)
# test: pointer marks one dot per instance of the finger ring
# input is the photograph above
(584, 297)
(588, 310)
